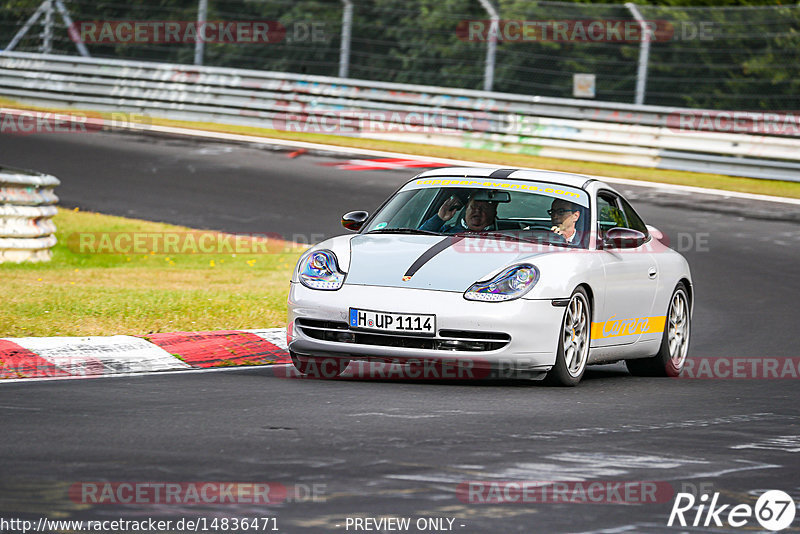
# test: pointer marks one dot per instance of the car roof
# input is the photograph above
(565, 178)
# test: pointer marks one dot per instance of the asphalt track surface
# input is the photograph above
(399, 448)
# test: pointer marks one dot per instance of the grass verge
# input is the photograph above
(81, 294)
(712, 181)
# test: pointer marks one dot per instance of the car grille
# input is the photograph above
(453, 340)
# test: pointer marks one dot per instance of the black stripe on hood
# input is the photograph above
(428, 255)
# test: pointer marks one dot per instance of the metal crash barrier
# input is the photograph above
(757, 145)
(27, 205)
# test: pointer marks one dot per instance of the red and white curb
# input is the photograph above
(95, 356)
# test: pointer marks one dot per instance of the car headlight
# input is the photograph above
(319, 270)
(510, 284)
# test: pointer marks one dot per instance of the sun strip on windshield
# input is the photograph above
(554, 190)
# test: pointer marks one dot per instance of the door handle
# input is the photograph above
(652, 272)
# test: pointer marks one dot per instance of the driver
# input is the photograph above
(479, 216)
(563, 215)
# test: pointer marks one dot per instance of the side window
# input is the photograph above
(608, 214)
(634, 221)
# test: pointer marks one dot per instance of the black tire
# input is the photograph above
(674, 341)
(568, 371)
(319, 367)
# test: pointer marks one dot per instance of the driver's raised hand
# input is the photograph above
(449, 208)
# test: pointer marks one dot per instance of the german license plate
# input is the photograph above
(406, 323)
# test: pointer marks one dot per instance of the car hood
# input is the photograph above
(384, 260)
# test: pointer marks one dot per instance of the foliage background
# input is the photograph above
(749, 60)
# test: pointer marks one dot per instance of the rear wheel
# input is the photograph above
(674, 341)
(573, 345)
(319, 367)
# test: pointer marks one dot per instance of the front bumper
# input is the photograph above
(532, 326)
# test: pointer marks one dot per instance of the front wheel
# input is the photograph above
(674, 341)
(319, 367)
(573, 345)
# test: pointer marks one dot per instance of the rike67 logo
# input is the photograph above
(774, 511)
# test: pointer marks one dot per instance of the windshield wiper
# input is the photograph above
(402, 231)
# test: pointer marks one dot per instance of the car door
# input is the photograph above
(631, 279)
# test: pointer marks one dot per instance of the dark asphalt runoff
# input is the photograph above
(371, 449)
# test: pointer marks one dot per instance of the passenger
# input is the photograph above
(564, 215)
(479, 216)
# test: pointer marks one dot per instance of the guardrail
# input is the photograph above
(647, 136)
(27, 204)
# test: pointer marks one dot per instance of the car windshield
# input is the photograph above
(527, 211)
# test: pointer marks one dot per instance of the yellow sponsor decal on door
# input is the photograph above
(628, 327)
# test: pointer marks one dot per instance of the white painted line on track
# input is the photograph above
(454, 162)
(700, 190)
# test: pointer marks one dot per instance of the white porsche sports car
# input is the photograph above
(538, 272)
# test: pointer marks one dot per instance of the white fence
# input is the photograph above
(27, 204)
(647, 136)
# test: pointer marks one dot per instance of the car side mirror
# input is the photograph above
(656, 233)
(354, 220)
(623, 238)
